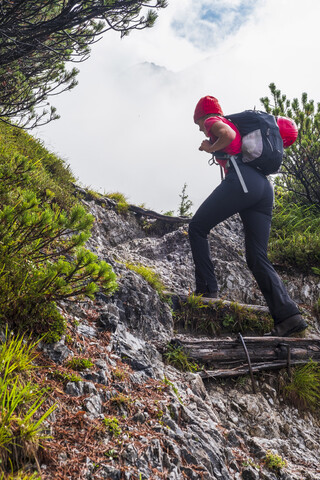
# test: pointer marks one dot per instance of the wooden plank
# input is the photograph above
(221, 301)
(223, 352)
(152, 214)
(244, 370)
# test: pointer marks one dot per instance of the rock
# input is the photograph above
(109, 473)
(250, 473)
(57, 352)
(109, 318)
(139, 354)
(206, 429)
(93, 405)
(75, 389)
(129, 455)
(86, 330)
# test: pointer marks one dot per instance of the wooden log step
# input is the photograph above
(245, 370)
(217, 316)
(229, 352)
(214, 302)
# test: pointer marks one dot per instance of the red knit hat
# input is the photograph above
(205, 106)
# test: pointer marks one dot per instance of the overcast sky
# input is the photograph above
(128, 126)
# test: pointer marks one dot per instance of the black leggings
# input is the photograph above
(255, 209)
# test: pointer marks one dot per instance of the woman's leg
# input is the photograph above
(226, 200)
(255, 208)
(257, 229)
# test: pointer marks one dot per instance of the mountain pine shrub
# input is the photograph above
(295, 234)
(42, 254)
(300, 171)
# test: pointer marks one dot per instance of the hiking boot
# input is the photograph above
(289, 327)
(210, 295)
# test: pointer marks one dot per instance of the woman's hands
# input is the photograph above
(224, 136)
(205, 146)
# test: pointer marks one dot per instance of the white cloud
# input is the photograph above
(206, 23)
(128, 127)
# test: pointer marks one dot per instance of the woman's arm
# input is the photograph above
(225, 135)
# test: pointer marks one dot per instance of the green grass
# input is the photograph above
(20, 476)
(22, 404)
(303, 388)
(122, 205)
(16, 355)
(176, 356)
(65, 377)
(216, 317)
(295, 235)
(54, 178)
(195, 302)
(150, 276)
(80, 364)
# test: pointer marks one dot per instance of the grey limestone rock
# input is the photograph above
(206, 425)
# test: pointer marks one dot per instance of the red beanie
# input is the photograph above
(205, 106)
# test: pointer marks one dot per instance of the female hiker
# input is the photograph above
(255, 209)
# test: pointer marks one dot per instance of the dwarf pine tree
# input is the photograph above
(42, 254)
(301, 164)
(38, 39)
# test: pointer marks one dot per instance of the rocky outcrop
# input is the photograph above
(127, 238)
(187, 428)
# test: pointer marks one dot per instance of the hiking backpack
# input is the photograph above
(262, 145)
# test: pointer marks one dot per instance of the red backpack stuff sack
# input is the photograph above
(288, 130)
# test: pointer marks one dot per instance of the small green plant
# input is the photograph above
(195, 302)
(66, 377)
(250, 463)
(150, 276)
(169, 213)
(274, 462)
(94, 194)
(119, 374)
(122, 205)
(79, 364)
(120, 400)
(68, 339)
(20, 476)
(185, 203)
(176, 356)
(228, 321)
(112, 425)
(159, 414)
(111, 454)
(167, 383)
(17, 355)
(303, 388)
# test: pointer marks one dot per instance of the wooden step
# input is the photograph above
(226, 357)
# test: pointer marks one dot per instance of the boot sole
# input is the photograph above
(293, 332)
(298, 331)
